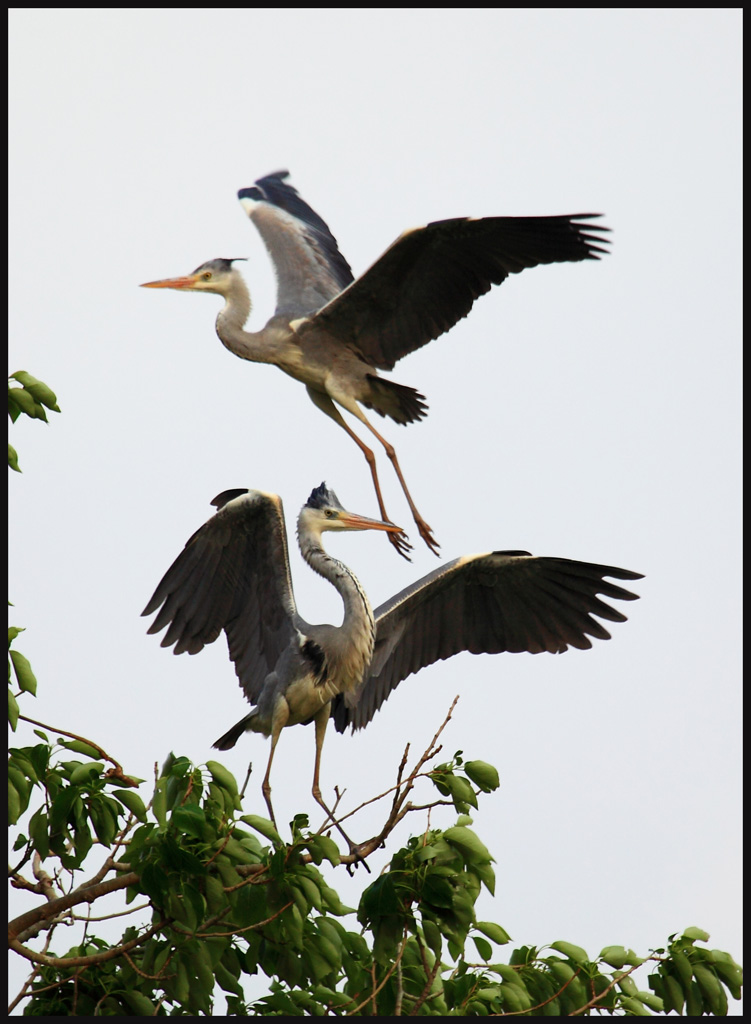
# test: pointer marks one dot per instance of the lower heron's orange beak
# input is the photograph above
(355, 522)
(172, 282)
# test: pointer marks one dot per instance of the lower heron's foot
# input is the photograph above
(357, 859)
(354, 848)
(401, 543)
(427, 535)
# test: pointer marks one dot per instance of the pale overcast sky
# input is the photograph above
(589, 411)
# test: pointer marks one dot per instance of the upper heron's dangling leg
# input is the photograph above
(326, 404)
(425, 531)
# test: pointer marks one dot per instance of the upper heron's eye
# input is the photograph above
(329, 512)
(207, 275)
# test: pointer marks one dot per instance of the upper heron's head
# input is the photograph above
(323, 511)
(215, 276)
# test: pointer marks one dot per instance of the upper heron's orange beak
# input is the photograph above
(172, 282)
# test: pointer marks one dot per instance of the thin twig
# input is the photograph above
(386, 977)
(112, 773)
(30, 980)
(598, 998)
(108, 917)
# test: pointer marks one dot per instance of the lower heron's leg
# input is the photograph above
(326, 404)
(279, 720)
(321, 721)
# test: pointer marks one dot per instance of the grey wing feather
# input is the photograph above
(232, 575)
(485, 604)
(309, 268)
(430, 277)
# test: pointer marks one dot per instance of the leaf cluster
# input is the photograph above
(31, 399)
(230, 899)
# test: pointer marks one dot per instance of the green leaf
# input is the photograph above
(132, 801)
(673, 994)
(86, 772)
(310, 889)
(683, 968)
(486, 875)
(575, 953)
(483, 947)
(138, 1003)
(264, 826)
(483, 775)
(190, 819)
(731, 975)
(710, 987)
(79, 747)
(39, 390)
(432, 935)
(461, 791)
(159, 802)
(13, 711)
(437, 891)
(615, 956)
(652, 1001)
(25, 402)
(494, 932)
(326, 848)
(634, 1007)
(27, 679)
(468, 844)
(222, 777)
(38, 833)
(13, 458)
(14, 804)
(694, 1001)
(696, 934)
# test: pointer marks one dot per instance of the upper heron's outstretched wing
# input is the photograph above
(429, 278)
(309, 268)
(232, 575)
(503, 601)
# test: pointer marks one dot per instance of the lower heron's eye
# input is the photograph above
(207, 276)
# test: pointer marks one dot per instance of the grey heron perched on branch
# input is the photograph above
(333, 333)
(233, 575)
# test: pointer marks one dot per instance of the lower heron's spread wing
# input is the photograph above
(430, 277)
(503, 601)
(232, 575)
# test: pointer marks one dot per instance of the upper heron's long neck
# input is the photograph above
(358, 627)
(253, 345)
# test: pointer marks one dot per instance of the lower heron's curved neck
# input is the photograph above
(358, 627)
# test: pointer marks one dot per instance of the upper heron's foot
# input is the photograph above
(401, 543)
(427, 535)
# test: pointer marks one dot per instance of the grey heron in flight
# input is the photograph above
(333, 333)
(233, 575)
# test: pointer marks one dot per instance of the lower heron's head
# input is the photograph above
(323, 511)
(216, 276)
